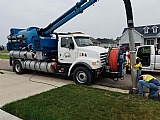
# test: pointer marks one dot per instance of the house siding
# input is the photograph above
(137, 37)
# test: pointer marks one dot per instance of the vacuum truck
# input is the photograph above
(70, 54)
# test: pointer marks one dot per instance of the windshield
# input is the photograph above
(83, 41)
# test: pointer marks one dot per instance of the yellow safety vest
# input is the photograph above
(138, 66)
(147, 78)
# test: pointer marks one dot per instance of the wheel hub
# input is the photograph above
(81, 77)
(17, 67)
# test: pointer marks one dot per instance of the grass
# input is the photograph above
(4, 51)
(75, 102)
(4, 54)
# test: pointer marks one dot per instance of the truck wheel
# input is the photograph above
(82, 75)
(18, 67)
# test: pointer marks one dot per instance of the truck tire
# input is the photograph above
(18, 67)
(82, 75)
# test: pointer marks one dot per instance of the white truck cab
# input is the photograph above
(74, 48)
(78, 49)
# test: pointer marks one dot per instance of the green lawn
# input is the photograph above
(4, 51)
(4, 54)
(75, 102)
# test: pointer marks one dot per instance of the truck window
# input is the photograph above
(144, 50)
(66, 41)
(83, 41)
(144, 54)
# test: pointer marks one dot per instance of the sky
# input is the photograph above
(106, 19)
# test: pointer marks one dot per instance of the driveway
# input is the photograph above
(14, 87)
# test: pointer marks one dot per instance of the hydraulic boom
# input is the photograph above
(71, 13)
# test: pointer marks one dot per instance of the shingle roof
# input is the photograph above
(140, 29)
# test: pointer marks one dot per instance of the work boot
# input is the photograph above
(146, 95)
(158, 98)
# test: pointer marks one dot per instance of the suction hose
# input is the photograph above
(113, 59)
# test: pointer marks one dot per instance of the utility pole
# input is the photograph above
(131, 43)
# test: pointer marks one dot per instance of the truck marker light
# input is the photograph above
(80, 54)
(94, 63)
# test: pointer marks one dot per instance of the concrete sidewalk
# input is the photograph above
(7, 116)
(14, 87)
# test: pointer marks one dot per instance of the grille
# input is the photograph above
(103, 57)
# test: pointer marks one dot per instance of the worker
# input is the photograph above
(127, 63)
(150, 82)
(138, 66)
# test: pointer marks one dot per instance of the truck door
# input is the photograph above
(144, 53)
(66, 51)
(157, 59)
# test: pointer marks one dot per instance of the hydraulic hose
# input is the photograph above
(112, 59)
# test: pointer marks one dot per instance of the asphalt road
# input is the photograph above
(126, 83)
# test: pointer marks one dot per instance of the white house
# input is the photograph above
(143, 35)
(107, 43)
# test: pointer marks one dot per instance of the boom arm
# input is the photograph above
(71, 13)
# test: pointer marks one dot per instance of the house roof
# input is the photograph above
(140, 29)
(105, 40)
(95, 41)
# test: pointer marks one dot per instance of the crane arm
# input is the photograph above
(71, 13)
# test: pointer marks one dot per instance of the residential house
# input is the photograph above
(95, 42)
(107, 43)
(143, 35)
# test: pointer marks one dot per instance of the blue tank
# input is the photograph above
(30, 40)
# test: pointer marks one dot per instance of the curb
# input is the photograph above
(111, 89)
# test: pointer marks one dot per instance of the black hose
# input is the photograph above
(129, 13)
(40, 82)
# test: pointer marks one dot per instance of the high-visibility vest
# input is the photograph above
(147, 78)
(138, 66)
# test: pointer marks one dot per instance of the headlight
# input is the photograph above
(94, 63)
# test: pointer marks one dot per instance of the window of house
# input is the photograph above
(154, 29)
(146, 29)
(150, 42)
